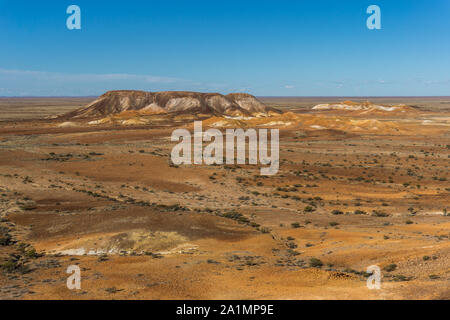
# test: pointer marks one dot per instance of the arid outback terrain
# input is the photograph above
(90, 182)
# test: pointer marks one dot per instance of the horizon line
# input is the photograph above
(258, 96)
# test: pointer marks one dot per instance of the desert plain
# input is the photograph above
(355, 188)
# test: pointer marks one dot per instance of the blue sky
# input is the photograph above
(283, 48)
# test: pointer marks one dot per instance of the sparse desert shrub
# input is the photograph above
(113, 290)
(236, 216)
(337, 212)
(295, 225)
(28, 205)
(232, 215)
(381, 214)
(359, 212)
(5, 237)
(315, 263)
(14, 266)
(102, 258)
(292, 245)
(401, 278)
(31, 253)
(293, 253)
(333, 223)
(264, 230)
(390, 267)
(210, 261)
(5, 240)
(163, 207)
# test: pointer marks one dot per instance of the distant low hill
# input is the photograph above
(115, 102)
(364, 107)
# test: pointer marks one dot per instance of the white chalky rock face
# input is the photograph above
(363, 107)
(67, 124)
(153, 108)
(248, 102)
(338, 106)
(219, 103)
(182, 104)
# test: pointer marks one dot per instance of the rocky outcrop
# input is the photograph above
(114, 102)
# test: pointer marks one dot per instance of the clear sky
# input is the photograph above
(284, 48)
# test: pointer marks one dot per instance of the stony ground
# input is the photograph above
(108, 199)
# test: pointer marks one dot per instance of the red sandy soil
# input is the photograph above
(225, 232)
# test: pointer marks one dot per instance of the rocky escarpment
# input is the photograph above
(114, 102)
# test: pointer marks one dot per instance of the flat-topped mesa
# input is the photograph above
(114, 102)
